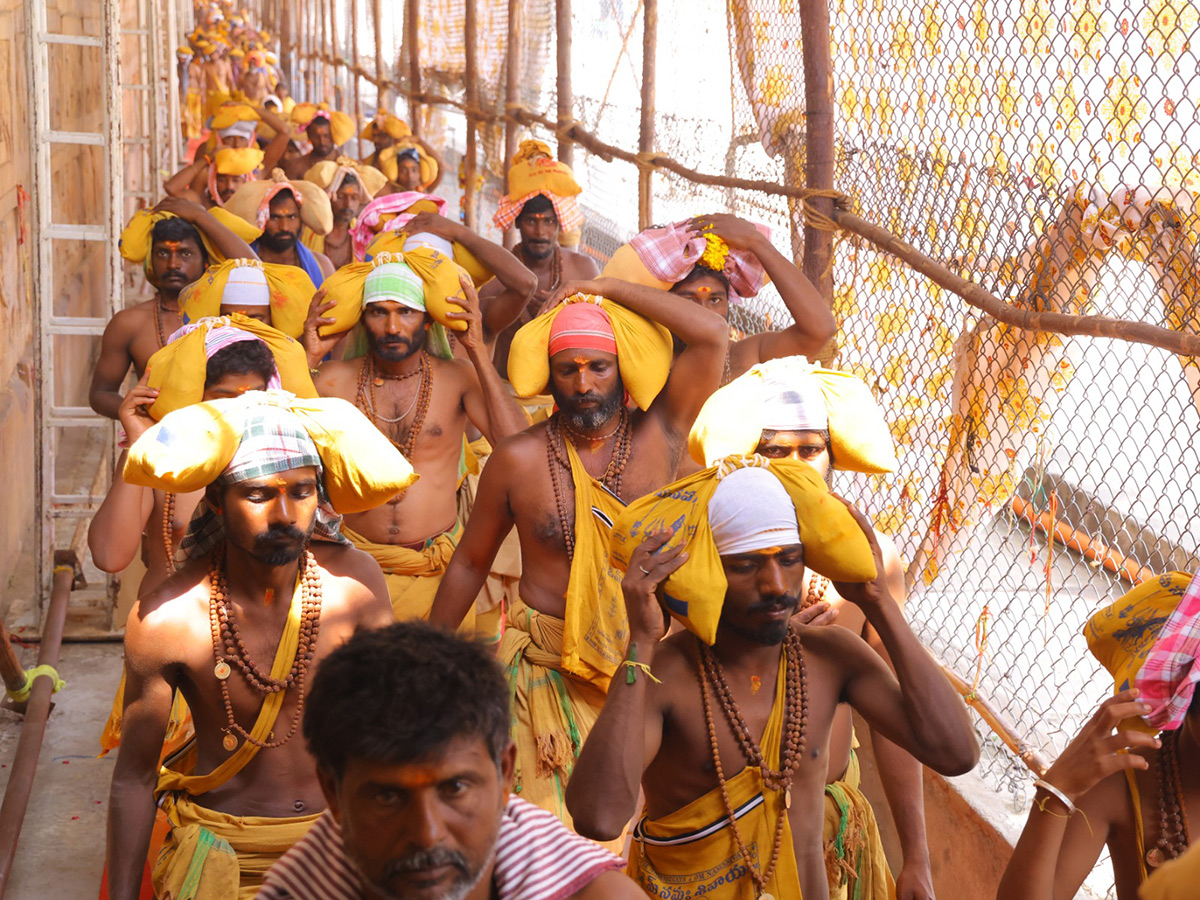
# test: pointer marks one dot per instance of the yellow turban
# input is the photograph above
(241, 161)
(191, 448)
(178, 370)
(534, 170)
(291, 293)
(252, 201)
(341, 126)
(393, 127)
(390, 166)
(328, 176)
(395, 242)
(834, 545)
(733, 418)
(644, 352)
(136, 240)
(230, 113)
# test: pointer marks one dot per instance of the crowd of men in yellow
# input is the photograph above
(351, 410)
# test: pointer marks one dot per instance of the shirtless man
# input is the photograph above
(614, 456)
(347, 203)
(218, 71)
(177, 258)
(255, 81)
(280, 241)
(413, 535)
(192, 182)
(652, 732)
(320, 136)
(254, 542)
(553, 265)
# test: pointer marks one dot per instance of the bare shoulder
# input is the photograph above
(128, 321)
(339, 378)
(159, 622)
(521, 449)
(461, 371)
(611, 885)
(579, 265)
(344, 561)
(835, 645)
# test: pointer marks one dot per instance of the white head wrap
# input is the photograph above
(751, 510)
(792, 398)
(239, 129)
(246, 286)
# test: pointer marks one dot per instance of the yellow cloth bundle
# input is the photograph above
(341, 126)
(325, 175)
(834, 545)
(242, 161)
(230, 113)
(394, 242)
(390, 165)
(732, 419)
(190, 448)
(540, 172)
(178, 370)
(393, 127)
(135, 244)
(252, 201)
(291, 293)
(644, 352)
(443, 292)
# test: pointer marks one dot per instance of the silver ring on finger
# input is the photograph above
(645, 571)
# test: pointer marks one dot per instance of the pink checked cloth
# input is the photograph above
(672, 251)
(1167, 679)
(570, 218)
(367, 225)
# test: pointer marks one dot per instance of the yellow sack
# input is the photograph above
(229, 161)
(542, 173)
(341, 126)
(230, 113)
(323, 175)
(393, 127)
(291, 293)
(730, 422)
(250, 201)
(135, 244)
(443, 292)
(834, 545)
(179, 369)
(390, 167)
(644, 353)
(190, 447)
(394, 242)
(626, 265)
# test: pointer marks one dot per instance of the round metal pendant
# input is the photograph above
(221, 670)
(230, 743)
(765, 896)
(1155, 857)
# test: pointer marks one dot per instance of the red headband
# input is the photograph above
(582, 326)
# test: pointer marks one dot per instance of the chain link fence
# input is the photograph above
(1045, 149)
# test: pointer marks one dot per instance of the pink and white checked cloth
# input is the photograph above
(672, 251)
(367, 224)
(1168, 677)
(565, 209)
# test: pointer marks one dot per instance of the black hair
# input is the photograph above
(290, 193)
(350, 178)
(539, 203)
(699, 271)
(174, 228)
(398, 694)
(242, 358)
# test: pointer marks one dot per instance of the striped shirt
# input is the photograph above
(537, 858)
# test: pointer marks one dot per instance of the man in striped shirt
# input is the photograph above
(409, 727)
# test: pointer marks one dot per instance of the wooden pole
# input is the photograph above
(471, 84)
(286, 43)
(512, 83)
(358, 117)
(564, 92)
(412, 32)
(646, 131)
(335, 50)
(818, 149)
(382, 94)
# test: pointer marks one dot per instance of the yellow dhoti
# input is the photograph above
(854, 857)
(193, 115)
(211, 854)
(413, 576)
(693, 853)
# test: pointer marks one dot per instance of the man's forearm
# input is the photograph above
(1031, 869)
(902, 783)
(460, 586)
(936, 714)
(812, 317)
(505, 416)
(695, 326)
(603, 790)
(506, 267)
(230, 245)
(105, 402)
(130, 823)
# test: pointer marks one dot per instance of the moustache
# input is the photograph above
(281, 534)
(172, 274)
(774, 604)
(427, 859)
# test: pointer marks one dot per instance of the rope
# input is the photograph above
(21, 694)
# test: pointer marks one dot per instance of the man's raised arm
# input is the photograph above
(603, 791)
(227, 243)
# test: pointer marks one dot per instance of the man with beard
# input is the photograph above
(541, 203)
(280, 207)
(422, 403)
(350, 186)
(182, 239)
(326, 129)
(409, 727)
(237, 630)
(733, 769)
(560, 484)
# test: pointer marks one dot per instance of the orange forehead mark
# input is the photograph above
(701, 289)
(581, 360)
(279, 482)
(170, 245)
(419, 777)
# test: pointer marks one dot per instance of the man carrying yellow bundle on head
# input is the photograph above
(420, 398)
(566, 632)
(788, 409)
(268, 589)
(723, 725)
(274, 295)
(541, 202)
(408, 162)
(281, 208)
(325, 129)
(351, 186)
